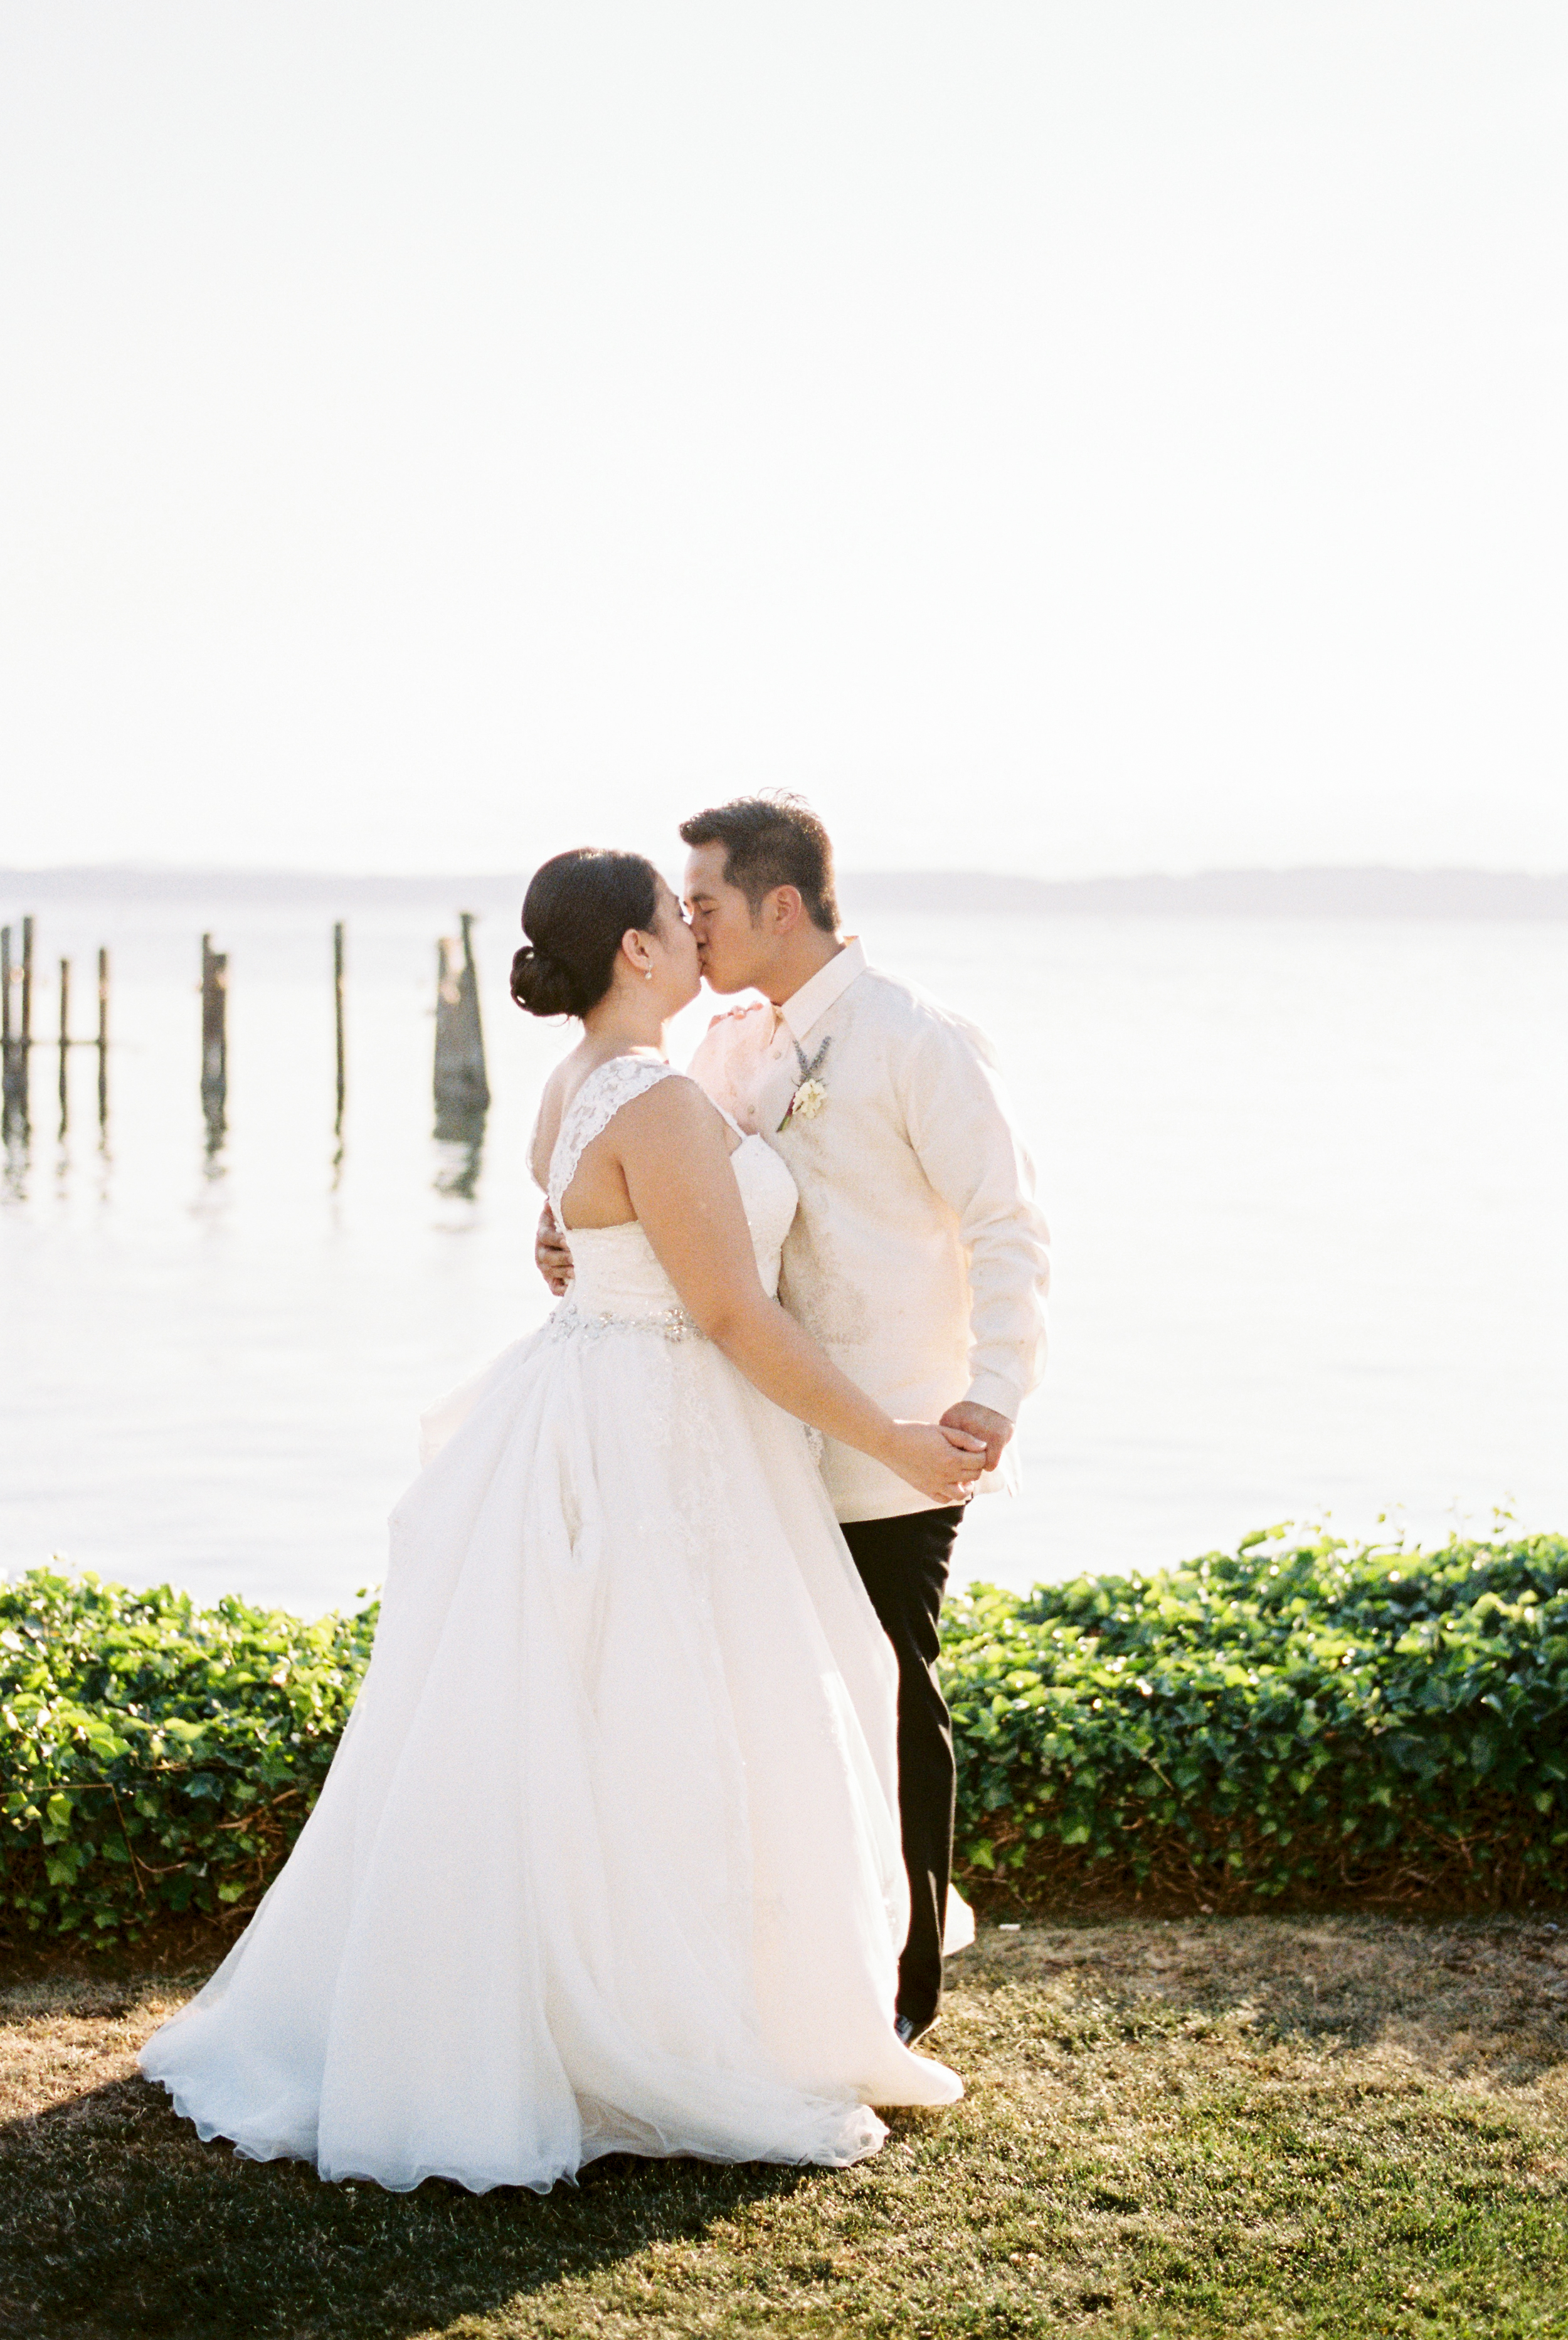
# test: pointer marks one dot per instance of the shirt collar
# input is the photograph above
(811, 1002)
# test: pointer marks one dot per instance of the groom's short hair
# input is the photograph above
(771, 840)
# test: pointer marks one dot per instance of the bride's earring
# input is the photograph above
(648, 975)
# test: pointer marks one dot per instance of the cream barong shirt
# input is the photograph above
(917, 1257)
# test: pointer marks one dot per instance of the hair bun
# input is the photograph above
(577, 908)
(543, 984)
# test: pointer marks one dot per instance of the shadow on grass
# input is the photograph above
(1453, 1995)
(120, 2221)
(1221, 2127)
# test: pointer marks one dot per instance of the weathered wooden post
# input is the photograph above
(338, 1017)
(26, 987)
(64, 1042)
(14, 1084)
(215, 1038)
(8, 1043)
(103, 1038)
(462, 1090)
(461, 1086)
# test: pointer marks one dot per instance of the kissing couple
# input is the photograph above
(638, 1839)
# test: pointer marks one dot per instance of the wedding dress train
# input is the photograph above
(609, 1857)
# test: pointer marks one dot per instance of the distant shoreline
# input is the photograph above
(1342, 893)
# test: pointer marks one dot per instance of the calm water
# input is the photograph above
(1307, 1182)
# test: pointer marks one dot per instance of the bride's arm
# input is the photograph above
(673, 1155)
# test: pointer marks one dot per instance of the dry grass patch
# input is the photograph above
(1251, 2128)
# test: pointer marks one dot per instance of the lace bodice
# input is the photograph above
(616, 1271)
(607, 1087)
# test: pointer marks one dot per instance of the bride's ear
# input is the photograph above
(635, 951)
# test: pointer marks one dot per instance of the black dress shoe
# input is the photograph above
(908, 2030)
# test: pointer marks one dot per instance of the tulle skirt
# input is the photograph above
(608, 1859)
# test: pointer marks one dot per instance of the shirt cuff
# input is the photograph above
(991, 1390)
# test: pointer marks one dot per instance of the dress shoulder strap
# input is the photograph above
(607, 1087)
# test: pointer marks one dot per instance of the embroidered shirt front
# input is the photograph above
(917, 1256)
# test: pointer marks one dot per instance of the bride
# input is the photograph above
(608, 1857)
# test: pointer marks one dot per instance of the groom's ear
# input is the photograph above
(782, 909)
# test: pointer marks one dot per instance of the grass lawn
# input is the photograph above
(1245, 2126)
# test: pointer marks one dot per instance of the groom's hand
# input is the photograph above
(980, 1423)
(550, 1255)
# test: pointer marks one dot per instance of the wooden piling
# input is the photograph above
(214, 1036)
(338, 1017)
(13, 1083)
(470, 1000)
(64, 1042)
(451, 1097)
(27, 986)
(461, 1086)
(102, 1037)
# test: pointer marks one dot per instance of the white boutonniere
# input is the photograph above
(810, 1093)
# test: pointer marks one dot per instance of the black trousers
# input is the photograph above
(903, 1564)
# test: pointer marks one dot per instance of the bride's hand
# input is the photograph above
(943, 1463)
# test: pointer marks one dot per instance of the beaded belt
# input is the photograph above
(674, 1323)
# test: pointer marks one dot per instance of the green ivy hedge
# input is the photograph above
(157, 1759)
(1305, 1720)
(1301, 1720)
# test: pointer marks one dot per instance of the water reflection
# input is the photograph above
(16, 1158)
(460, 1147)
(16, 1085)
(216, 1128)
(15, 1130)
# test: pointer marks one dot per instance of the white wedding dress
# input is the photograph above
(608, 1859)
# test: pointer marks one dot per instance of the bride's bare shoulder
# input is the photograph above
(670, 1116)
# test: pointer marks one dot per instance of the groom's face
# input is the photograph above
(731, 948)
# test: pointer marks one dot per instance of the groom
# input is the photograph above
(917, 1257)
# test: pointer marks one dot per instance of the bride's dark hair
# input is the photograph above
(574, 914)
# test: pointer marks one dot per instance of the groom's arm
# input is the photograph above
(963, 1136)
(551, 1255)
(982, 1422)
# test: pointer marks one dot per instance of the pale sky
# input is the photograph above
(1067, 439)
